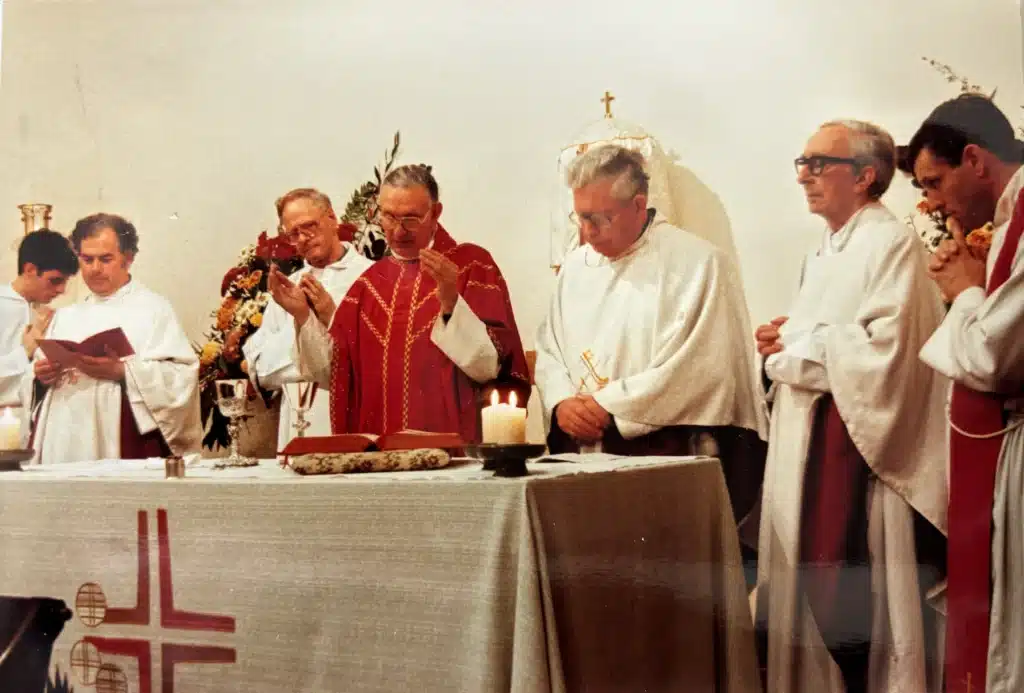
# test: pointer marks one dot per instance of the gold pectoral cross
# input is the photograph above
(588, 361)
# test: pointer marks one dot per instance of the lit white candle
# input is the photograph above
(10, 431)
(504, 424)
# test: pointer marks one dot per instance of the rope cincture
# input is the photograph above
(984, 436)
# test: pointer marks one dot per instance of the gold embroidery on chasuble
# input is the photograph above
(593, 380)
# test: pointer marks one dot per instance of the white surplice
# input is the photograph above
(659, 336)
(981, 344)
(15, 315)
(80, 418)
(864, 308)
(270, 351)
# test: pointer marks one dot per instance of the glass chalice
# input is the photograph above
(232, 400)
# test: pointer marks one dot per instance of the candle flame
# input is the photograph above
(512, 399)
(8, 417)
(494, 398)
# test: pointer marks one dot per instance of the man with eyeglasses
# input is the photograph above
(854, 501)
(644, 350)
(308, 220)
(46, 262)
(967, 159)
(422, 334)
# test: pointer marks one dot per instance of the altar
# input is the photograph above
(612, 574)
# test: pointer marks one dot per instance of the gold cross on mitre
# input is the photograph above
(607, 101)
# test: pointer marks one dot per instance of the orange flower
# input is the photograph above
(924, 206)
(233, 345)
(226, 313)
(980, 239)
(211, 350)
(251, 280)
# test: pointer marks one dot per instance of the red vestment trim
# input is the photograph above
(972, 479)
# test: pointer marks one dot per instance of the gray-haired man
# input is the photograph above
(644, 350)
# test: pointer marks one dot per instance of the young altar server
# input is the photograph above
(45, 264)
(332, 266)
(854, 502)
(105, 407)
(967, 160)
(645, 348)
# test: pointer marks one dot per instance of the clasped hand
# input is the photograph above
(36, 330)
(299, 299)
(583, 418)
(954, 266)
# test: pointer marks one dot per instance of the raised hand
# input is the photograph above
(767, 337)
(288, 295)
(323, 304)
(445, 273)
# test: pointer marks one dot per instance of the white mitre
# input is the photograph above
(673, 190)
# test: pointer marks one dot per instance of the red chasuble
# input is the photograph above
(387, 374)
(972, 480)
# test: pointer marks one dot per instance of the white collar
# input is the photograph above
(836, 241)
(339, 264)
(1004, 208)
(123, 291)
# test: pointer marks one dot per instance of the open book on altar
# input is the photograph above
(107, 343)
(369, 442)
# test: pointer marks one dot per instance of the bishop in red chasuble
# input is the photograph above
(966, 158)
(423, 335)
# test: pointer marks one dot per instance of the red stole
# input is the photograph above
(972, 480)
(387, 374)
(135, 445)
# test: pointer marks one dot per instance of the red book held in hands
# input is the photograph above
(107, 343)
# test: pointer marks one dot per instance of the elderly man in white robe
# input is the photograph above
(967, 160)
(110, 407)
(307, 218)
(645, 348)
(854, 503)
(45, 264)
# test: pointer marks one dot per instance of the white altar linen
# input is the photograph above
(440, 580)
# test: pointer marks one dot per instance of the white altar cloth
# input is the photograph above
(609, 575)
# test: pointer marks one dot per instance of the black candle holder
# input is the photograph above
(10, 460)
(505, 460)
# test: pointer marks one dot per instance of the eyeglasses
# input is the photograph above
(816, 164)
(409, 223)
(306, 230)
(602, 221)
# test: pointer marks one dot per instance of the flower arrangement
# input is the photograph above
(361, 211)
(244, 297)
(937, 229)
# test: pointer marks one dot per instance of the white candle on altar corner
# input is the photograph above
(10, 431)
(504, 423)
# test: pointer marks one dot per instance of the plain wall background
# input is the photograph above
(191, 116)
